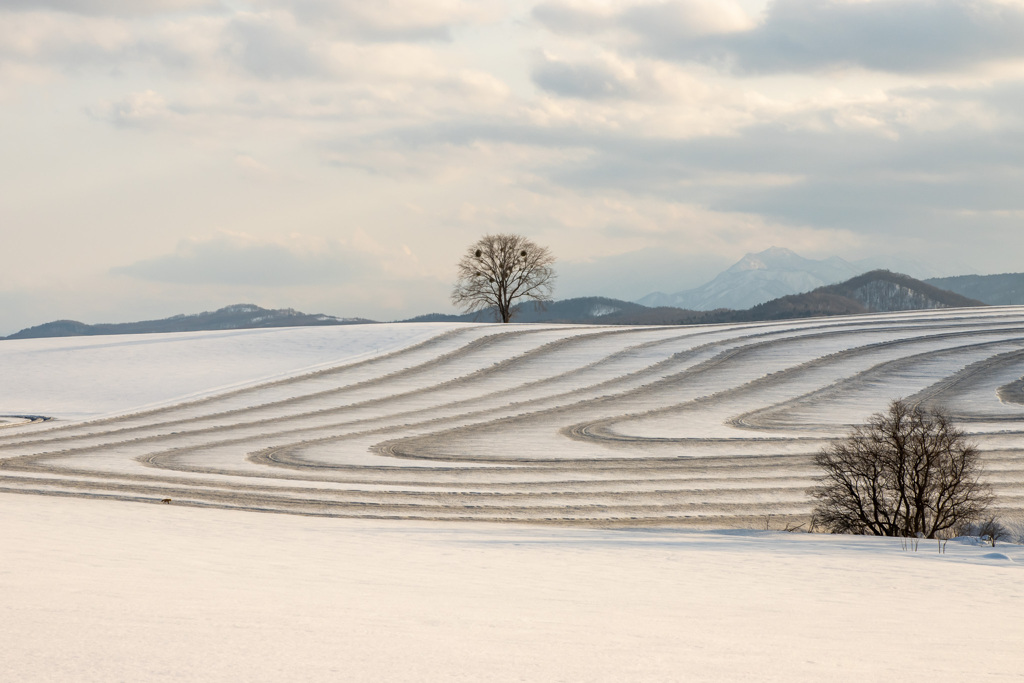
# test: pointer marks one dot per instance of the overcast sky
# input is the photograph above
(336, 156)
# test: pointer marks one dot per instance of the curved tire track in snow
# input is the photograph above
(709, 426)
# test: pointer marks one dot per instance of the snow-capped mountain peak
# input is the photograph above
(757, 278)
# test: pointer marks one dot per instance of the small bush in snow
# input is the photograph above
(909, 472)
(991, 530)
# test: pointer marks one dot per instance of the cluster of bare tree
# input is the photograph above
(908, 472)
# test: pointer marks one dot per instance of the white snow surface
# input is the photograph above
(488, 502)
(84, 377)
(107, 591)
(698, 426)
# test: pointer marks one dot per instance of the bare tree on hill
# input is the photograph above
(500, 269)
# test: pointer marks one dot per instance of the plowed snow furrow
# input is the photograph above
(705, 426)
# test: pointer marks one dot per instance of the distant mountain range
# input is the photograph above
(758, 278)
(239, 316)
(996, 290)
(777, 272)
(879, 291)
(876, 291)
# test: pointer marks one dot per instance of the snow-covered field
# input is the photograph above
(88, 377)
(683, 426)
(97, 590)
(408, 432)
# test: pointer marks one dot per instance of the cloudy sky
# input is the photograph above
(336, 156)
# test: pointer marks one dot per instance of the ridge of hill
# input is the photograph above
(234, 317)
(883, 290)
(876, 291)
(1004, 289)
(580, 309)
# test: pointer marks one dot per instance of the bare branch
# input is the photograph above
(908, 471)
(500, 269)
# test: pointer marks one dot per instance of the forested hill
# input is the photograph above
(236, 317)
(882, 290)
(877, 291)
(1006, 289)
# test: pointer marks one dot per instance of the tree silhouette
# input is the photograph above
(500, 269)
(909, 471)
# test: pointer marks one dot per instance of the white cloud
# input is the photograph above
(140, 109)
(239, 259)
(795, 36)
(251, 165)
(675, 19)
(389, 20)
(111, 7)
(593, 79)
(392, 135)
(270, 46)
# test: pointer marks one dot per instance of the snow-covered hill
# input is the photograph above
(235, 317)
(758, 278)
(96, 590)
(697, 425)
(75, 378)
(586, 437)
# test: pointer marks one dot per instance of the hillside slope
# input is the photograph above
(882, 291)
(549, 424)
(579, 310)
(878, 291)
(236, 317)
(1006, 289)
